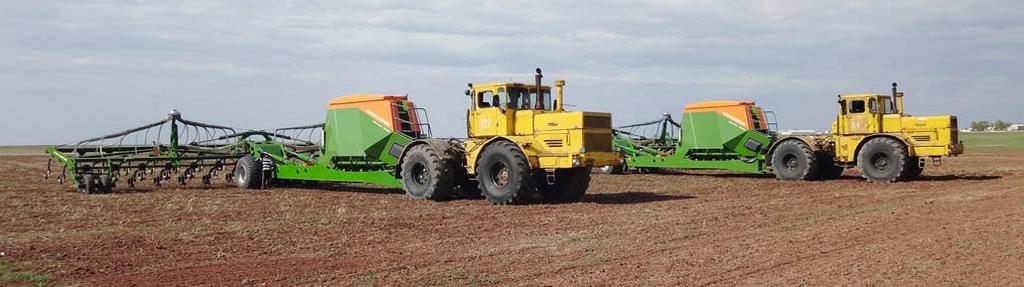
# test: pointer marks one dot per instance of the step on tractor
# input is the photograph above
(521, 146)
(871, 132)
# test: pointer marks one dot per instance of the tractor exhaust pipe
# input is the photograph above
(898, 97)
(540, 94)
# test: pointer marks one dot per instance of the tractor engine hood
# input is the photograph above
(573, 120)
(930, 122)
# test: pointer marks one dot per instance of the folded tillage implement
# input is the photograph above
(173, 149)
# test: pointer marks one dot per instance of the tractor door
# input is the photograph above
(861, 117)
(488, 114)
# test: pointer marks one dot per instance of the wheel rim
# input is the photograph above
(419, 174)
(790, 162)
(880, 162)
(499, 174)
(240, 175)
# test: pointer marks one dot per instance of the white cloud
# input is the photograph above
(235, 62)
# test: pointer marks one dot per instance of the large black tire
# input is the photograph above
(794, 160)
(87, 184)
(883, 160)
(570, 185)
(827, 169)
(504, 174)
(248, 173)
(425, 175)
(106, 183)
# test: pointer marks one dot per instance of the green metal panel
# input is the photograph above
(707, 130)
(351, 132)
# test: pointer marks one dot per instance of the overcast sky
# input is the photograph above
(75, 69)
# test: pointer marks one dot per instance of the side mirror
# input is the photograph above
(467, 92)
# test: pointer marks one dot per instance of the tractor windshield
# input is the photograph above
(521, 98)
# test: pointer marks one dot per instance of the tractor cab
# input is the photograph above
(868, 113)
(509, 108)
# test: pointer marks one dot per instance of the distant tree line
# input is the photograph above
(998, 125)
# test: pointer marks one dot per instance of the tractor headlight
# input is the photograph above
(575, 161)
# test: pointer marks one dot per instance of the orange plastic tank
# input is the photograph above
(737, 111)
(394, 112)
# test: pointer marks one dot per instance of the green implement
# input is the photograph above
(705, 140)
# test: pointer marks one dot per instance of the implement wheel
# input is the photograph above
(106, 183)
(248, 173)
(883, 160)
(425, 175)
(794, 160)
(504, 174)
(570, 185)
(87, 184)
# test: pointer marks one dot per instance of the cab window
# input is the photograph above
(873, 105)
(518, 100)
(523, 98)
(543, 102)
(498, 97)
(488, 99)
(888, 107)
(857, 107)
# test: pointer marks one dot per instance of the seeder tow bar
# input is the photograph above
(172, 148)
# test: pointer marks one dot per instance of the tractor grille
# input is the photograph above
(598, 142)
(597, 122)
(554, 143)
(923, 138)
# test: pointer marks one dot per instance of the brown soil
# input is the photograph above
(962, 224)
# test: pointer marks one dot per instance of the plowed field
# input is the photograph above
(962, 223)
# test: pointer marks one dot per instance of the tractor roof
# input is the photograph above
(508, 84)
(862, 95)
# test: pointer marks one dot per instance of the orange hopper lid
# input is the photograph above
(717, 104)
(362, 98)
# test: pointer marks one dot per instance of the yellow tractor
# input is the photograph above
(873, 133)
(521, 143)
